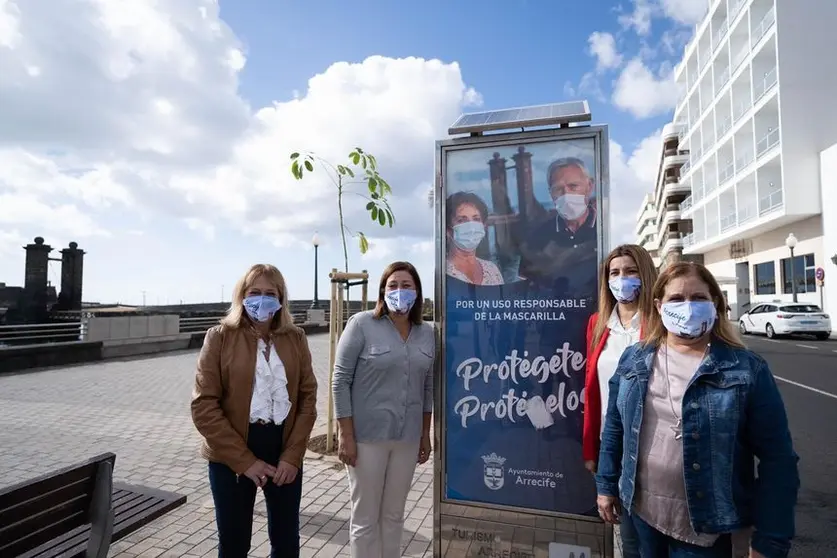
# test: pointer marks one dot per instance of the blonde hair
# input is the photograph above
(236, 315)
(607, 302)
(723, 329)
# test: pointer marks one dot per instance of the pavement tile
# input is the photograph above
(139, 410)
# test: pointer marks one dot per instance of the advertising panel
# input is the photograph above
(521, 232)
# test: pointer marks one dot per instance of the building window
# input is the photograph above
(765, 278)
(804, 274)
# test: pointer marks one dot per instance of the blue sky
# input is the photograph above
(156, 135)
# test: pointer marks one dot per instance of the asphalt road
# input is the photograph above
(806, 371)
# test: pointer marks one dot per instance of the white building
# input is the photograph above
(646, 230)
(758, 116)
(661, 227)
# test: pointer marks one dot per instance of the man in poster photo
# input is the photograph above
(554, 246)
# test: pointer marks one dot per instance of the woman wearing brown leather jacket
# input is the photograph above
(254, 403)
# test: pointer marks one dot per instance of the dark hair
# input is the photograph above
(417, 311)
(460, 198)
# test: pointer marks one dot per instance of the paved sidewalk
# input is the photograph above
(139, 410)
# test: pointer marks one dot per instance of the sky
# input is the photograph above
(157, 133)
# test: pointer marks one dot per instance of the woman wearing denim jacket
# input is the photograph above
(690, 409)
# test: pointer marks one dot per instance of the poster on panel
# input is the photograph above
(520, 246)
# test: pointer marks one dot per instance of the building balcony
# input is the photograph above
(724, 126)
(673, 241)
(687, 166)
(740, 58)
(720, 34)
(722, 80)
(674, 187)
(744, 160)
(764, 85)
(740, 109)
(770, 140)
(771, 202)
(760, 30)
(686, 204)
(726, 173)
(736, 8)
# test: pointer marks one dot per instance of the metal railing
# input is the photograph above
(739, 58)
(689, 239)
(763, 27)
(740, 109)
(770, 202)
(726, 173)
(68, 332)
(720, 34)
(26, 334)
(729, 221)
(724, 126)
(746, 213)
(761, 88)
(686, 204)
(744, 160)
(768, 142)
(736, 9)
(722, 81)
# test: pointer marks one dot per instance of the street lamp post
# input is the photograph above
(790, 242)
(316, 242)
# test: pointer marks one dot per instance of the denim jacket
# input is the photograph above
(732, 413)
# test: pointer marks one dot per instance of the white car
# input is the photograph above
(781, 318)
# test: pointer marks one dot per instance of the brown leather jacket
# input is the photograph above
(224, 388)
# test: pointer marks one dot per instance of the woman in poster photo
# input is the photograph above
(383, 401)
(626, 278)
(466, 216)
(689, 412)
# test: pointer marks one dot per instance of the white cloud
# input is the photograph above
(603, 46)
(632, 175)
(639, 91)
(686, 12)
(640, 18)
(120, 110)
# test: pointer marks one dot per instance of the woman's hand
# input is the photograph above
(609, 509)
(285, 473)
(259, 472)
(590, 466)
(754, 554)
(347, 449)
(425, 447)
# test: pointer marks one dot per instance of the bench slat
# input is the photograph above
(134, 508)
(36, 511)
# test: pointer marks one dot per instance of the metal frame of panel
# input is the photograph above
(524, 117)
(600, 134)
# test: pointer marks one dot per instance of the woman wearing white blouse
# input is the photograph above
(626, 278)
(255, 405)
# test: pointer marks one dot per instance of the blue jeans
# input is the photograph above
(653, 544)
(629, 537)
(235, 499)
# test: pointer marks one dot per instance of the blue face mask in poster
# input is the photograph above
(467, 236)
(515, 354)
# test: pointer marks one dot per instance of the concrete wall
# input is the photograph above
(770, 246)
(828, 179)
(132, 329)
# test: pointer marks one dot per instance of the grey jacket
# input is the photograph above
(382, 382)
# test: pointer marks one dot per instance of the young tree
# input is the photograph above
(361, 169)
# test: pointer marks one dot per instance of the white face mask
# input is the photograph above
(571, 206)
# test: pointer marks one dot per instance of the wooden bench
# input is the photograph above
(77, 511)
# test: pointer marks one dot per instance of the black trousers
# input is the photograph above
(235, 499)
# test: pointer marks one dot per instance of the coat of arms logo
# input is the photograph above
(493, 472)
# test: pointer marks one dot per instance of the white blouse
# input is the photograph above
(270, 402)
(620, 338)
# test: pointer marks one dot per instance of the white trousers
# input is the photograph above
(379, 484)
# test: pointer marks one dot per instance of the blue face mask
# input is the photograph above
(467, 236)
(261, 308)
(625, 289)
(400, 301)
(691, 319)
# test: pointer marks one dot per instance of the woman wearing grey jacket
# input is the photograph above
(383, 398)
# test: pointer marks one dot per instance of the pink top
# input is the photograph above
(660, 488)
